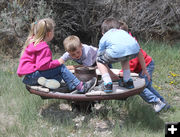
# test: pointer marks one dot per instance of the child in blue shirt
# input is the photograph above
(116, 45)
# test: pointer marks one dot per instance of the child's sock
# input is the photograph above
(126, 75)
(80, 86)
(106, 78)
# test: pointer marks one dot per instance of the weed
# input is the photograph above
(24, 114)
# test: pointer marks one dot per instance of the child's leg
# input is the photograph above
(102, 61)
(104, 72)
(156, 93)
(71, 80)
(127, 81)
(60, 73)
(113, 76)
(148, 96)
(37, 79)
(126, 70)
(150, 69)
(31, 79)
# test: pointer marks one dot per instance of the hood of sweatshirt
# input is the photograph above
(31, 48)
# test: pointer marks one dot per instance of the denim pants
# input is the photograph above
(105, 58)
(59, 73)
(150, 95)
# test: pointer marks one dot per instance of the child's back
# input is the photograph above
(117, 46)
(118, 43)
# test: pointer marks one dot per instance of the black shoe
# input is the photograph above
(129, 84)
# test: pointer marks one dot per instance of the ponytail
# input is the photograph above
(38, 32)
(30, 36)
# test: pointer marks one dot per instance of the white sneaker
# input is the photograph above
(159, 106)
(49, 83)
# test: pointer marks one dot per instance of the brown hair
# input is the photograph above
(123, 25)
(109, 23)
(71, 43)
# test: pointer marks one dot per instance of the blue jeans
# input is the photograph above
(59, 73)
(150, 95)
(105, 58)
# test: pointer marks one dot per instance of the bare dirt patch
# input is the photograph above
(60, 112)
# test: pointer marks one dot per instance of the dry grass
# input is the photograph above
(25, 115)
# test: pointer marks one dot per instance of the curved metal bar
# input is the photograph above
(139, 87)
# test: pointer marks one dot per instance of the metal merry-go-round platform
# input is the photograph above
(119, 93)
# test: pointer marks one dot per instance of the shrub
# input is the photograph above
(15, 22)
(147, 20)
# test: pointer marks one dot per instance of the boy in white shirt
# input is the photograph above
(82, 54)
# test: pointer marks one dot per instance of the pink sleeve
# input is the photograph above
(44, 60)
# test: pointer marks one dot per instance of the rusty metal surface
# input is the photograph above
(83, 97)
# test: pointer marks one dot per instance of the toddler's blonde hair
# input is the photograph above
(71, 43)
(38, 32)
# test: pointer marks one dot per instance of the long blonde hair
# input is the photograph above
(38, 32)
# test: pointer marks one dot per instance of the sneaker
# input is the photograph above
(104, 87)
(108, 87)
(167, 106)
(49, 83)
(129, 84)
(87, 86)
(121, 82)
(159, 106)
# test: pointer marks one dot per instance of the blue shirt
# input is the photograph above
(118, 43)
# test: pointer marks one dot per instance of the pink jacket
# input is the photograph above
(35, 58)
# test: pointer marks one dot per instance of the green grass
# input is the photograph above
(26, 115)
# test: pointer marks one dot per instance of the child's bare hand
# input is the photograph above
(120, 74)
(70, 67)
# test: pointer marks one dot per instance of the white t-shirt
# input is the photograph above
(88, 57)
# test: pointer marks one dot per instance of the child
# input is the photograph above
(117, 45)
(150, 95)
(81, 53)
(36, 62)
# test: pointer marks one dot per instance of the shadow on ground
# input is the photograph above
(142, 115)
(104, 118)
(62, 113)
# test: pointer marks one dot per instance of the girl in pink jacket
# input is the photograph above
(38, 67)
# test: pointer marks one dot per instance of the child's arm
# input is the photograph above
(70, 67)
(143, 65)
(61, 61)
